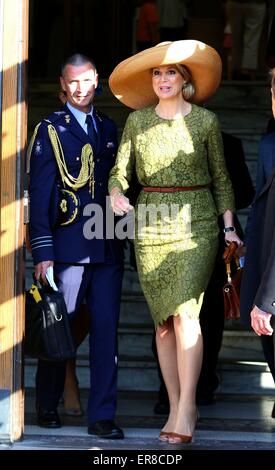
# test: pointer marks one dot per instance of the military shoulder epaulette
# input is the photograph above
(54, 116)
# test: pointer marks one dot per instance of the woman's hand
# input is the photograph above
(230, 232)
(232, 237)
(119, 203)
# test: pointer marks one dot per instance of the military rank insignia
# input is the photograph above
(67, 118)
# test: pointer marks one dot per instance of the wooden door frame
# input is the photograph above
(13, 120)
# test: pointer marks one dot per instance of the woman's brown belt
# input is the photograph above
(174, 189)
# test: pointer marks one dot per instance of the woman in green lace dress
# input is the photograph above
(175, 147)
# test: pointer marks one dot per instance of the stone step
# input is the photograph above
(241, 345)
(231, 119)
(135, 342)
(134, 310)
(235, 422)
(234, 94)
(236, 377)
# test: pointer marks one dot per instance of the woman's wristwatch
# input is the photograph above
(229, 229)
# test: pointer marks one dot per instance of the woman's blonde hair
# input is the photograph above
(188, 89)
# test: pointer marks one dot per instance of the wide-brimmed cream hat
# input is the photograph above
(131, 80)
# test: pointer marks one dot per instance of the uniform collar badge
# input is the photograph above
(67, 118)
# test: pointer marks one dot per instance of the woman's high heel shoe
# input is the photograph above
(176, 438)
(164, 436)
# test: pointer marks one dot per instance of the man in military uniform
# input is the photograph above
(74, 150)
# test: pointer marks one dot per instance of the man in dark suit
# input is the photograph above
(257, 289)
(74, 149)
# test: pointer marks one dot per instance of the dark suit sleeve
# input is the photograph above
(260, 178)
(260, 182)
(265, 297)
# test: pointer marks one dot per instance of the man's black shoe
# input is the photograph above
(106, 428)
(162, 408)
(48, 419)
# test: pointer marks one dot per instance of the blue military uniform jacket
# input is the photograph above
(67, 244)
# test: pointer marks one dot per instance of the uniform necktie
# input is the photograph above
(91, 130)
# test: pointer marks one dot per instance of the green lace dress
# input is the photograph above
(175, 233)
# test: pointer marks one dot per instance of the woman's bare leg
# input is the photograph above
(189, 359)
(167, 355)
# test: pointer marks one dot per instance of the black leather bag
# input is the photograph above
(47, 328)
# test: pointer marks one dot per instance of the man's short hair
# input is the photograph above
(77, 59)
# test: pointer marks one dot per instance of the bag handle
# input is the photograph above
(230, 251)
(228, 255)
(37, 285)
